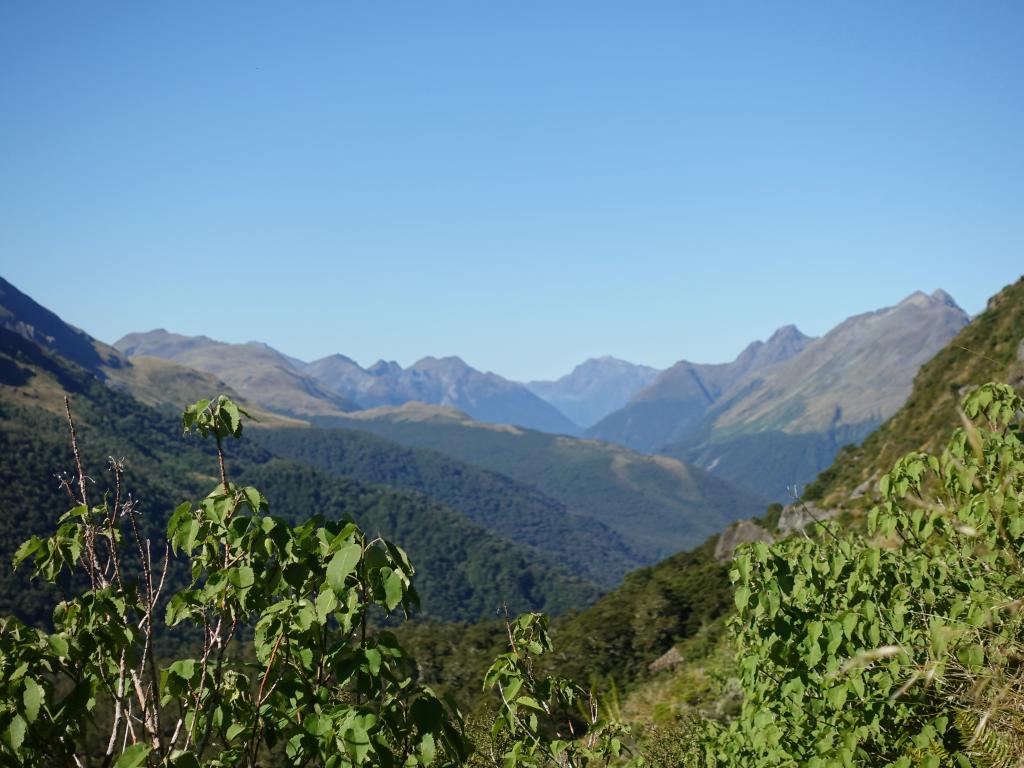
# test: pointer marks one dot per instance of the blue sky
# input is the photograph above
(524, 184)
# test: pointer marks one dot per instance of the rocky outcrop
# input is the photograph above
(796, 517)
(671, 659)
(743, 532)
(792, 519)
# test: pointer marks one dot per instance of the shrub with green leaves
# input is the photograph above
(547, 720)
(903, 647)
(319, 688)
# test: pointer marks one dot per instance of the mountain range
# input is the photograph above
(544, 502)
(777, 428)
(663, 638)
(255, 370)
(768, 421)
(336, 384)
(465, 569)
(773, 418)
(445, 381)
(677, 399)
(162, 384)
(595, 388)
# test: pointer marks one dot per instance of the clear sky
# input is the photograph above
(524, 184)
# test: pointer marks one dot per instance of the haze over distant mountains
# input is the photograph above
(766, 421)
(441, 381)
(595, 388)
(784, 418)
(681, 395)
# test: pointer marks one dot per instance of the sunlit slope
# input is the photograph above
(675, 402)
(777, 428)
(259, 373)
(159, 383)
(989, 348)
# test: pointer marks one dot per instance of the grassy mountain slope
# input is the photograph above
(159, 383)
(656, 504)
(465, 571)
(679, 398)
(259, 373)
(513, 510)
(656, 610)
(780, 426)
(989, 348)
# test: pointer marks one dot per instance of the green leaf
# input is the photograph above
(27, 549)
(33, 698)
(341, 565)
(427, 748)
(134, 756)
(16, 732)
(393, 590)
(742, 597)
(243, 577)
(58, 645)
(529, 701)
(837, 696)
(326, 602)
(357, 743)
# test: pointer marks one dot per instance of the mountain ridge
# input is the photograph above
(595, 388)
(257, 371)
(777, 428)
(448, 380)
(680, 396)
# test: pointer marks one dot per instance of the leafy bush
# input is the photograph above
(317, 680)
(320, 689)
(903, 648)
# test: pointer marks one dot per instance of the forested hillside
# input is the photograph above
(466, 571)
(658, 505)
(513, 510)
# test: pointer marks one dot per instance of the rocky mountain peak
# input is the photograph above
(938, 298)
(384, 368)
(450, 364)
(787, 334)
